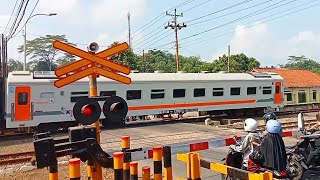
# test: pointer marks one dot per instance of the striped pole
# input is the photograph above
(195, 166)
(125, 144)
(167, 163)
(90, 165)
(134, 171)
(118, 165)
(157, 162)
(146, 173)
(74, 169)
(53, 171)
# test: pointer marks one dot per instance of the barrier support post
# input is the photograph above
(146, 173)
(125, 144)
(53, 171)
(74, 169)
(157, 162)
(118, 165)
(133, 170)
(167, 163)
(195, 166)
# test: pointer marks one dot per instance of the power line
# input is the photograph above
(236, 20)
(16, 17)
(10, 16)
(197, 5)
(23, 13)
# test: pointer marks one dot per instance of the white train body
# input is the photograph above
(32, 98)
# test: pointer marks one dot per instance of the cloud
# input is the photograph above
(268, 48)
(115, 11)
(57, 6)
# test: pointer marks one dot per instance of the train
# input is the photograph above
(32, 100)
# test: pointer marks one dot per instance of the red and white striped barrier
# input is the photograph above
(197, 145)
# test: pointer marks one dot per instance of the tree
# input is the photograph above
(238, 63)
(303, 63)
(42, 51)
(14, 65)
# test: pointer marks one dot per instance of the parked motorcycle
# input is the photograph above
(297, 154)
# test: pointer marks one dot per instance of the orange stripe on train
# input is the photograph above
(181, 105)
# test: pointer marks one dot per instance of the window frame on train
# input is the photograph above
(249, 92)
(134, 97)
(176, 92)
(199, 92)
(157, 94)
(217, 91)
(266, 89)
(237, 93)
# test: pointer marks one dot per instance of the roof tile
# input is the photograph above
(294, 77)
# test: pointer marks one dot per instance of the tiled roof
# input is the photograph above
(294, 77)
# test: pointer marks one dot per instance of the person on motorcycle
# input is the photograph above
(273, 148)
(268, 116)
(317, 125)
(315, 151)
(251, 141)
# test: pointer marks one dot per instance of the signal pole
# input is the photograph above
(144, 61)
(228, 58)
(176, 26)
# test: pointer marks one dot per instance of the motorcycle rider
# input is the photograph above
(251, 141)
(315, 152)
(273, 148)
(268, 116)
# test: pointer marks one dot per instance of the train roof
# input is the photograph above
(49, 76)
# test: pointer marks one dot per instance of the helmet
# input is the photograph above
(273, 126)
(268, 116)
(250, 125)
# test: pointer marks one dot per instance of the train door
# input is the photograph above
(22, 107)
(278, 93)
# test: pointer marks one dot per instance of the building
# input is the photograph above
(302, 87)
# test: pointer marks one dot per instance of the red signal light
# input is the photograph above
(283, 173)
(88, 110)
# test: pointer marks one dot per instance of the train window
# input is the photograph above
(108, 93)
(277, 89)
(133, 94)
(251, 90)
(76, 98)
(199, 92)
(266, 90)
(217, 92)
(157, 93)
(80, 92)
(177, 93)
(47, 95)
(235, 91)
(23, 98)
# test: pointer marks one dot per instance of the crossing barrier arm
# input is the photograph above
(221, 168)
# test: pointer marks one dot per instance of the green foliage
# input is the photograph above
(41, 51)
(238, 63)
(14, 65)
(301, 62)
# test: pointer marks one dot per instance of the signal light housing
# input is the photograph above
(115, 110)
(86, 111)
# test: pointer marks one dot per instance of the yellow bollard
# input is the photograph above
(74, 169)
(167, 163)
(125, 144)
(195, 166)
(146, 173)
(53, 172)
(157, 162)
(118, 165)
(134, 171)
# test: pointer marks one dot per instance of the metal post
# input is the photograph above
(157, 163)
(74, 169)
(125, 144)
(118, 165)
(133, 170)
(53, 172)
(24, 47)
(167, 163)
(146, 173)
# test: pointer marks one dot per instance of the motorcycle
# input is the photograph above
(297, 154)
(235, 159)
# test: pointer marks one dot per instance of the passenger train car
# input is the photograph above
(33, 100)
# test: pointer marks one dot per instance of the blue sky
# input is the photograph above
(105, 21)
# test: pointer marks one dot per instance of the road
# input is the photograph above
(174, 133)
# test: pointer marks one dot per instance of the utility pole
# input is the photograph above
(129, 29)
(176, 27)
(144, 61)
(228, 58)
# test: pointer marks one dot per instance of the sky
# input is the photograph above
(268, 30)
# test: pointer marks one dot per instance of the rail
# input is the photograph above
(16, 158)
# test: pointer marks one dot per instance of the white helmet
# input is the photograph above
(250, 125)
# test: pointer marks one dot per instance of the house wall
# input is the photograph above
(306, 95)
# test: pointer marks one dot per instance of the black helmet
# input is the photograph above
(268, 116)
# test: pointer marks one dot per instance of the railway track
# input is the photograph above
(16, 158)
